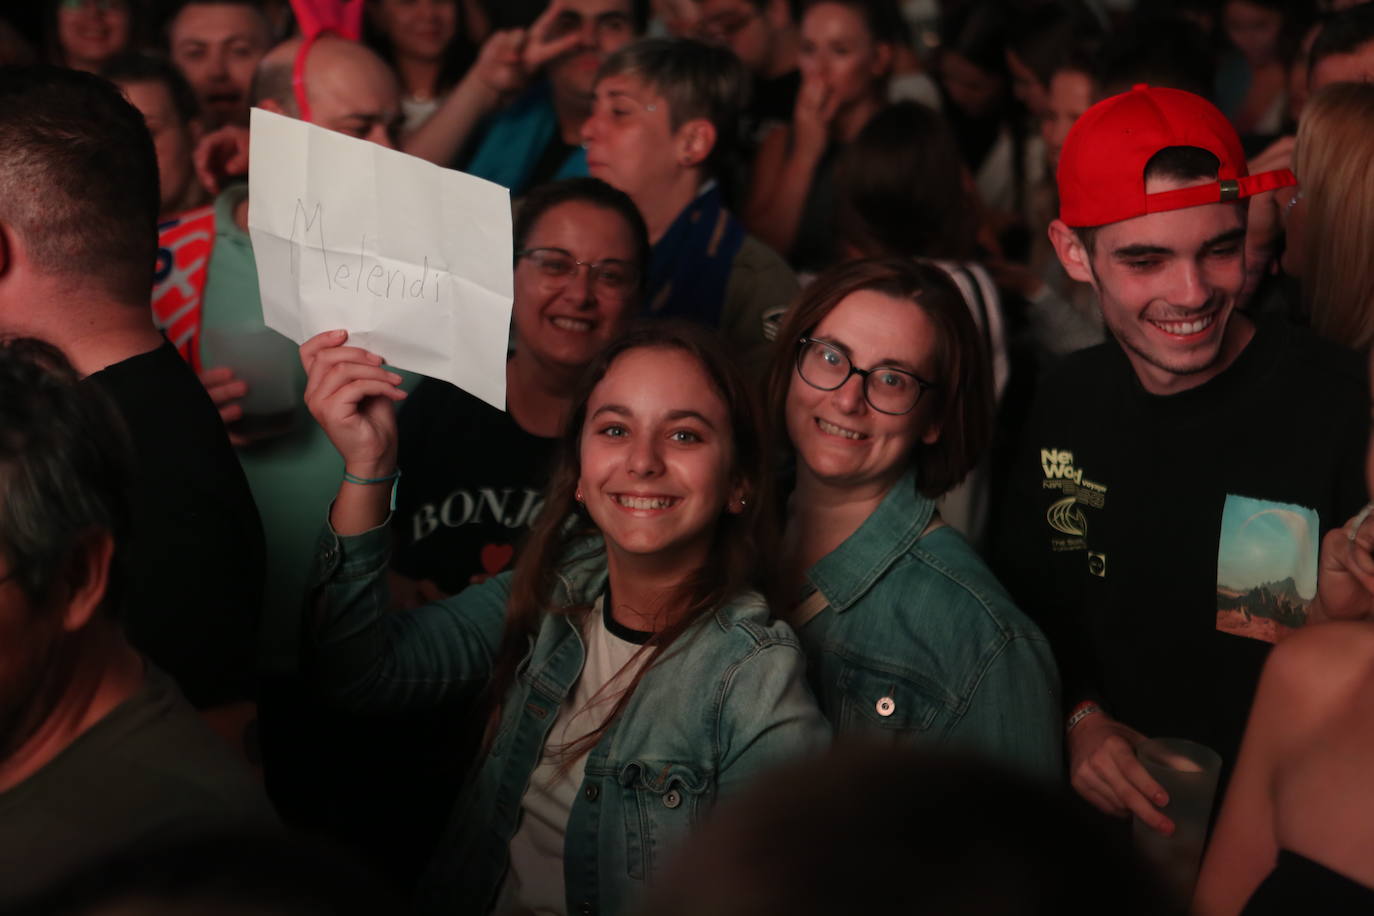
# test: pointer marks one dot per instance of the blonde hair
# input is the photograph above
(1335, 163)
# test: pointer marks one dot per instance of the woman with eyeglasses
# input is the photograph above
(580, 255)
(881, 385)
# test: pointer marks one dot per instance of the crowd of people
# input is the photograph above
(891, 448)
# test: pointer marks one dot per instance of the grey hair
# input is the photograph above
(65, 470)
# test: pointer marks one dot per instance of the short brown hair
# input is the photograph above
(697, 80)
(964, 399)
(78, 178)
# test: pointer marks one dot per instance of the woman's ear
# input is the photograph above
(739, 498)
(696, 139)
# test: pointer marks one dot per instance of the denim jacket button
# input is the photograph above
(591, 792)
(672, 799)
(886, 707)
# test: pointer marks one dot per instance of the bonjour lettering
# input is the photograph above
(349, 273)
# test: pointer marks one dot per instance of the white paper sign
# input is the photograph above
(413, 260)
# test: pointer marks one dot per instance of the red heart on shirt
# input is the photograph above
(495, 557)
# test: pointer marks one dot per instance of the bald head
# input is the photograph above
(348, 87)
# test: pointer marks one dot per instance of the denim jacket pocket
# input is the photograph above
(881, 704)
(662, 802)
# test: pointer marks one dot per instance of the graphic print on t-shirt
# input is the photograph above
(1266, 567)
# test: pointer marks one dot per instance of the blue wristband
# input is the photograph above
(393, 479)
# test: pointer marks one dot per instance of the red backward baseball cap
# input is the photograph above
(1102, 166)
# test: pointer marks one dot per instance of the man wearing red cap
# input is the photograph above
(1166, 508)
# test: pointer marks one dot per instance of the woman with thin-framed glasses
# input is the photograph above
(880, 388)
(581, 251)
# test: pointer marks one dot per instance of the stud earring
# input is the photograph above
(578, 495)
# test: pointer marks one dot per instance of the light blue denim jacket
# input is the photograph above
(728, 700)
(920, 642)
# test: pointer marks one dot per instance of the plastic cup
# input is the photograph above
(267, 362)
(1188, 772)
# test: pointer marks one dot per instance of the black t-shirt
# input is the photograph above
(472, 482)
(149, 774)
(196, 553)
(1164, 543)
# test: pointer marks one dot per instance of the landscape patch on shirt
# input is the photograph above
(1266, 567)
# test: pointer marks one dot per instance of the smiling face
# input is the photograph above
(564, 321)
(840, 439)
(417, 29)
(216, 46)
(657, 458)
(1168, 284)
(91, 32)
(630, 141)
(838, 50)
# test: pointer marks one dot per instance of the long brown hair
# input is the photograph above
(737, 553)
(1334, 159)
(963, 400)
(900, 188)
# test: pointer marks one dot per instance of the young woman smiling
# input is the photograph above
(632, 675)
(581, 255)
(881, 385)
(85, 34)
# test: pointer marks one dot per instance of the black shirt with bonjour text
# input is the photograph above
(196, 555)
(472, 483)
(1165, 543)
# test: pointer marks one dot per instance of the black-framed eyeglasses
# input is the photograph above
(611, 277)
(886, 389)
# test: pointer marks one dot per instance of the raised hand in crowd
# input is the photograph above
(507, 63)
(227, 391)
(221, 156)
(509, 59)
(817, 105)
(352, 397)
(1345, 579)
